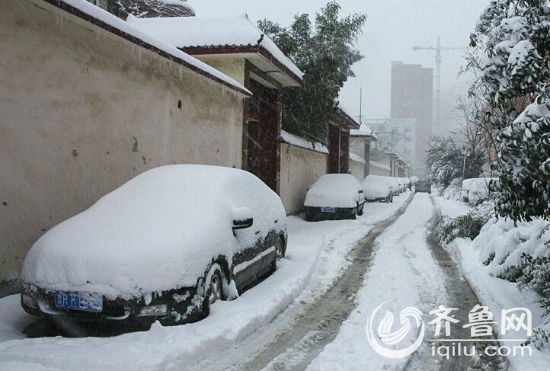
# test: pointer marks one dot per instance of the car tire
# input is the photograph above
(280, 250)
(360, 209)
(213, 288)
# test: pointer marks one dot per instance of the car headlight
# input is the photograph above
(154, 310)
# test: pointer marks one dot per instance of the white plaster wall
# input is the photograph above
(300, 168)
(65, 83)
(357, 169)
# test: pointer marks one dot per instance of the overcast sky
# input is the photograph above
(393, 27)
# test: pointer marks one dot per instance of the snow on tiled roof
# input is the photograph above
(232, 31)
(102, 18)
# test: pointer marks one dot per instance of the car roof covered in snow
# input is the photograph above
(172, 219)
(334, 190)
(230, 33)
(101, 18)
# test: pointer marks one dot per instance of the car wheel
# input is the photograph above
(213, 288)
(279, 253)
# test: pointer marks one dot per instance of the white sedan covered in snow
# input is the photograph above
(164, 246)
(334, 196)
(378, 188)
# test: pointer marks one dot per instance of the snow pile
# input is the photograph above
(475, 190)
(171, 220)
(501, 244)
(302, 143)
(236, 31)
(334, 190)
(377, 187)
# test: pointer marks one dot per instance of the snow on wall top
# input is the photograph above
(152, 8)
(380, 165)
(302, 143)
(111, 20)
(356, 158)
(234, 31)
(363, 131)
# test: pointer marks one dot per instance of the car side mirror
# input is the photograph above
(242, 223)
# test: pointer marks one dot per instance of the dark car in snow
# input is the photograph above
(423, 186)
(164, 246)
(334, 196)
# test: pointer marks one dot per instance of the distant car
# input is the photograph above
(334, 196)
(164, 246)
(378, 188)
(423, 186)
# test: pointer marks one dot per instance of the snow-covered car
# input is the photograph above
(396, 185)
(334, 196)
(164, 246)
(423, 186)
(476, 190)
(378, 188)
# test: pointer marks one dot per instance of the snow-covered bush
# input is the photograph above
(476, 190)
(502, 244)
(520, 253)
(536, 276)
(465, 226)
(523, 191)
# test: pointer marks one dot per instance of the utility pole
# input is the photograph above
(438, 60)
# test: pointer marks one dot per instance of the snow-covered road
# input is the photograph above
(403, 274)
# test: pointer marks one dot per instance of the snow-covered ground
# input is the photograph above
(496, 293)
(316, 256)
(404, 274)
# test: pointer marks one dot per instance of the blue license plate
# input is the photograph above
(82, 301)
(328, 210)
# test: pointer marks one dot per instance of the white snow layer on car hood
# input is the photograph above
(158, 231)
(334, 190)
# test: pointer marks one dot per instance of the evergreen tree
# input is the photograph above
(447, 160)
(523, 190)
(511, 54)
(324, 51)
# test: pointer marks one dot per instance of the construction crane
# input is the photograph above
(438, 59)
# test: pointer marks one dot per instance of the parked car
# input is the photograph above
(165, 245)
(423, 186)
(378, 188)
(396, 186)
(334, 196)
